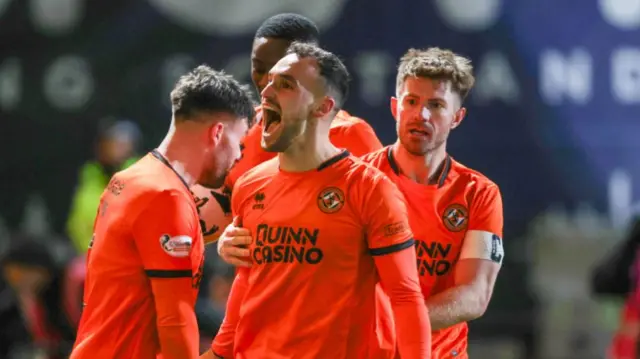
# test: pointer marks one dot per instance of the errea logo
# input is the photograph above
(258, 199)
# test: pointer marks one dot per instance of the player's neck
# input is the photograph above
(421, 169)
(181, 153)
(308, 151)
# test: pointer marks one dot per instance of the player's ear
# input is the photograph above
(326, 105)
(458, 117)
(394, 107)
(216, 131)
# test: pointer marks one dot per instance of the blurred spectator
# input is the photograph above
(625, 341)
(45, 281)
(116, 150)
(611, 277)
(14, 337)
(619, 275)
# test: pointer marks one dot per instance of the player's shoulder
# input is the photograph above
(257, 174)
(364, 173)
(148, 178)
(377, 158)
(471, 177)
(364, 182)
(344, 120)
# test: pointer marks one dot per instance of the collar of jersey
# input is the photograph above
(439, 180)
(155, 153)
(324, 165)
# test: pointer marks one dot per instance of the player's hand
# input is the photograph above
(232, 245)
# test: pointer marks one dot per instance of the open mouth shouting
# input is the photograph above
(272, 120)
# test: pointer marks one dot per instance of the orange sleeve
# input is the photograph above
(385, 216)
(164, 233)
(223, 343)
(361, 139)
(176, 319)
(399, 279)
(391, 243)
(358, 138)
(485, 212)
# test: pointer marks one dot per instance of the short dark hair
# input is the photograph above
(204, 89)
(331, 68)
(290, 27)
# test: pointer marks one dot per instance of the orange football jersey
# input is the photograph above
(440, 214)
(348, 132)
(147, 227)
(312, 287)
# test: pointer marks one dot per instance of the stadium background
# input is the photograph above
(553, 120)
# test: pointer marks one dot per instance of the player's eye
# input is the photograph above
(436, 105)
(284, 84)
(411, 101)
(259, 69)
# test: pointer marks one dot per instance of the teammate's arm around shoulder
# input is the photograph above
(392, 245)
(232, 248)
(165, 234)
(223, 344)
(478, 265)
(362, 139)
